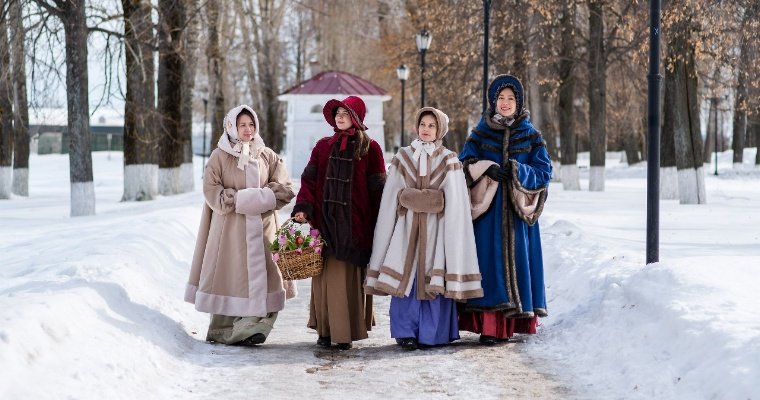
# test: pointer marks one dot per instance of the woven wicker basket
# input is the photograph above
(294, 266)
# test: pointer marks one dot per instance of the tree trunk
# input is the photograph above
(686, 130)
(631, 145)
(568, 156)
(668, 171)
(712, 130)
(757, 145)
(520, 65)
(170, 70)
(215, 70)
(77, 99)
(253, 87)
(21, 116)
(189, 58)
(140, 141)
(741, 99)
(597, 92)
(6, 110)
(271, 15)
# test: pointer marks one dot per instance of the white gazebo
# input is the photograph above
(304, 124)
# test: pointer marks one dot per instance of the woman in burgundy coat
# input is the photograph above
(340, 193)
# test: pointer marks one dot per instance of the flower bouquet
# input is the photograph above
(297, 250)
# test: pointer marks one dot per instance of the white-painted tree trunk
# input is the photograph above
(169, 181)
(21, 181)
(668, 183)
(596, 179)
(6, 182)
(691, 186)
(186, 181)
(82, 199)
(570, 177)
(140, 182)
(556, 167)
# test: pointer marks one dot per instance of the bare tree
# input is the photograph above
(72, 15)
(745, 65)
(6, 108)
(266, 22)
(21, 116)
(682, 98)
(172, 19)
(597, 94)
(189, 59)
(570, 178)
(216, 68)
(140, 146)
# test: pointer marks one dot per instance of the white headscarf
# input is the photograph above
(229, 142)
(421, 147)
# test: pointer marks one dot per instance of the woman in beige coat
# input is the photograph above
(232, 276)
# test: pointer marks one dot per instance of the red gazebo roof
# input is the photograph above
(336, 82)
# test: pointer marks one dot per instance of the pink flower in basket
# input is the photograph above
(275, 257)
(299, 250)
(314, 233)
(318, 250)
(283, 240)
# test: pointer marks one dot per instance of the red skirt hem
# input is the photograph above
(496, 324)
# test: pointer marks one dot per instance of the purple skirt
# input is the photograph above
(431, 322)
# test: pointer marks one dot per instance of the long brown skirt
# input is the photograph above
(338, 307)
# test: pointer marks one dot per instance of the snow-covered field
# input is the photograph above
(91, 307)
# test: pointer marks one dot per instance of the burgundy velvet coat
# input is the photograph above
(353, 240)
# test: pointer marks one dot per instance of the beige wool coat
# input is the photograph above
(232, 271)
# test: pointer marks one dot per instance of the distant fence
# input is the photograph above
(54, 139)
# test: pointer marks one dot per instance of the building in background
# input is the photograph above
(304, 123)
(48, 130)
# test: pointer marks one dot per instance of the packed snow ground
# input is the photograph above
(91, 307)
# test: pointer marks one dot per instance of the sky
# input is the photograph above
(92, 307)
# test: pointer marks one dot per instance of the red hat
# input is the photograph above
(355, 107)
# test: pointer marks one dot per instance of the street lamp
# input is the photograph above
(403, 74)
(205, 112)
(653, 136)
(717, 127)
(486, 18)
(423, 43)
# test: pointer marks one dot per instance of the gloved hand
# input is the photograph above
(497, 173)
(228, 199)
(281, 193)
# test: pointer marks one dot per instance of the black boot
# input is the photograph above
(487, 340)
(408, 343)
(344, 346)
(258, 338)
(324, 341)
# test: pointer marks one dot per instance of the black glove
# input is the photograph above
(497, 173)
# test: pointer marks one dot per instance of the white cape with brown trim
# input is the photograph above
(425, 221)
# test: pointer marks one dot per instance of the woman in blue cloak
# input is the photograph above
(508, 170)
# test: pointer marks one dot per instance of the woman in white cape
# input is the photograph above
(424, 249)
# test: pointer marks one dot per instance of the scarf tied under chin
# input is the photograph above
(422, 147)
(343, 136)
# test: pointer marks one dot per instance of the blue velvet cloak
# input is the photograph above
(508, 248)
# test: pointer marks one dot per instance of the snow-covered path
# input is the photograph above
(91, 308)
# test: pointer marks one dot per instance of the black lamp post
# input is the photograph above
(486, 18)
(653, 136)
(205, 112)
(423, 43)
(403, 74)
(717, 128)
